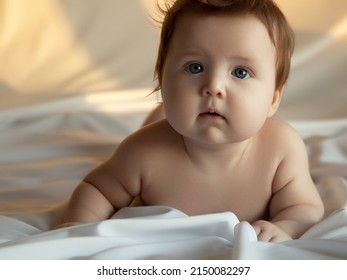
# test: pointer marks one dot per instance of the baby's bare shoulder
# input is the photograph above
(150, 139)
(281, 138)
(278, 131)
(142, 150)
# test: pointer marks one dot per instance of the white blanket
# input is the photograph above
(46, 150)
(164, 233)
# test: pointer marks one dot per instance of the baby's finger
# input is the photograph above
(264, 236)
(280, 238)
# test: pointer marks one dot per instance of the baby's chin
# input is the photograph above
(213, 136)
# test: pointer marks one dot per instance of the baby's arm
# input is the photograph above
(296, 204)
(107, 188)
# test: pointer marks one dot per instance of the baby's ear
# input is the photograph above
(276, 101)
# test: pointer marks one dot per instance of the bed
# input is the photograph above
(75, 78)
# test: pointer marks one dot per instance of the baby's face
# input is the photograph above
(219, 78)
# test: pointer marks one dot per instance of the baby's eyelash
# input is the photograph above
(194, 68)
(242, 73)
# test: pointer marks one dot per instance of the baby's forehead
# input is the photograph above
(229, 40)
(207, 29)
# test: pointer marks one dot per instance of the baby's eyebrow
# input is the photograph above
(245, 58)
(189, 53)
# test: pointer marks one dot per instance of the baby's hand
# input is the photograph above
(269, 232)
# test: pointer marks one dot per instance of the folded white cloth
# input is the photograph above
(156, 232)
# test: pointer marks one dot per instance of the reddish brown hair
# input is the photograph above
(266, 11)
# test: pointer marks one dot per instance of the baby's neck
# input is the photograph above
(209, 157)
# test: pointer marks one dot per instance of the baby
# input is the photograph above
(221, 68)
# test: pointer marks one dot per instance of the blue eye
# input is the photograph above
(241, 73)
(194, 68)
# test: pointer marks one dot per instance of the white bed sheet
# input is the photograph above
(46, 149)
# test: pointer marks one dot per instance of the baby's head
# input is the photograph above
(281, 34)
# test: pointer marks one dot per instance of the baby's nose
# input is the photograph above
(215, 87)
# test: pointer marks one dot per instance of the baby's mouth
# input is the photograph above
(212, 114)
